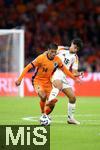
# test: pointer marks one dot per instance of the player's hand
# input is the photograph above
(17, 83)
(82, 74)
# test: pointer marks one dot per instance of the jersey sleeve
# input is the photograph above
(33, 64)
(75, 63)
(60, 64)
(26, 69)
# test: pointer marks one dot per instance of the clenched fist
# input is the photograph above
(17, 83)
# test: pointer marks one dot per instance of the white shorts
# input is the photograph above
(59, 75)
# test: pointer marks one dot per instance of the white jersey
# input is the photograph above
(69, 60)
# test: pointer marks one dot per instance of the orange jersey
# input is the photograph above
(45, 68)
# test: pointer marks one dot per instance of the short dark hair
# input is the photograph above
(52, 46)
(78, 42)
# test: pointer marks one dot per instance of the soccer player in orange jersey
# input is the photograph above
(45, 65)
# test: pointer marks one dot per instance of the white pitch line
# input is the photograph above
(78, 115)
(36, 119)
(88, 115)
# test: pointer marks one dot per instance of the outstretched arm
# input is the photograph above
(67, 72)
(26, 69)
(33, 64)
(71, 75)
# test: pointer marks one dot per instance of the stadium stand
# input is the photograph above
(46, 21)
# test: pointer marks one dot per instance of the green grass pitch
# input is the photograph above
(26, 111)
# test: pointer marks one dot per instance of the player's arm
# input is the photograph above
(67, 72)
(26, 69)
(33, 64)
(75, 68)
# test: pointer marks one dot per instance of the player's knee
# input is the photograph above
(72, 99)
(42, 95)
(57, 84)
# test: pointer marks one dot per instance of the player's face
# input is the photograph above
(73, 48)
(52, 53)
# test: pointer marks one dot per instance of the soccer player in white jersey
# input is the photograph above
(70, 60)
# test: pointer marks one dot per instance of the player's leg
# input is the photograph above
(42, 94)
(52, 99)
(50, 106)
(71, 105)
(56, 87)
(47, 108)
(40, 88)
(43, 97)
(57, 84)
(52, 92)
(67, 90)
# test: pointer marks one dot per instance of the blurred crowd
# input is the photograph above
(58, 21)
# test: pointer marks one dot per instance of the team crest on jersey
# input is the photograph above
(55, 64)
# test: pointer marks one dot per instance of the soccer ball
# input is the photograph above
(44, 120)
